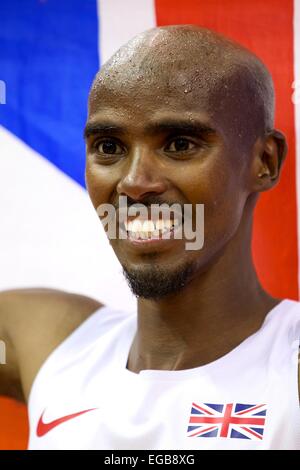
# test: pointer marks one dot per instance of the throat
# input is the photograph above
(194, 342)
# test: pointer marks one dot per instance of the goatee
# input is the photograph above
(155, 282)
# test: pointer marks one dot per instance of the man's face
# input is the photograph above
(153, 142)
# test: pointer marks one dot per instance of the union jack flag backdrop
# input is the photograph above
(50, 51)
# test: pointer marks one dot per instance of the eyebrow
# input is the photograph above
(194, 127)
(101, 128)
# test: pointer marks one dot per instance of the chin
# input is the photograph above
(156, 282)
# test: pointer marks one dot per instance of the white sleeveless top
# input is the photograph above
(83, 397)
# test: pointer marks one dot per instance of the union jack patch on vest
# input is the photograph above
(230, 420)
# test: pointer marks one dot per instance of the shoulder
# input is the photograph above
(33, 322)
(34, 308)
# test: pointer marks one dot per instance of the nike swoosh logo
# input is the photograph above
(43, 428)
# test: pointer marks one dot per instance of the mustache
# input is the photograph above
(147, 201)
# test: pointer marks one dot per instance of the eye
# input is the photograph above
(108, 147)
(180, 144)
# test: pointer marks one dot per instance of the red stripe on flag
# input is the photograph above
(226, 418)
(266, 28)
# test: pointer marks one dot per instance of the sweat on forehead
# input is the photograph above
(198, 65)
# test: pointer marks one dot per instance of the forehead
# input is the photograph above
(182, 68)
(147, 97)
(150, 102)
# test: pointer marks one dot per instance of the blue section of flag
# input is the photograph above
(215, 407)
(259, 430)
(241, 407)
(237, 435)
(191, 428)
(195, 411)
(49, 56)
(261, 413)
(210, 434)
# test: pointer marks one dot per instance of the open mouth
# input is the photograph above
(146, 227)
(143, 225)
(139, 229)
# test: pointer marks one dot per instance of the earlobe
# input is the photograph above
(265, 173)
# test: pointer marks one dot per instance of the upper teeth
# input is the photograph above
(151, 226)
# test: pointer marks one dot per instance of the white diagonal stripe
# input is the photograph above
(50, 233)
(120, 20)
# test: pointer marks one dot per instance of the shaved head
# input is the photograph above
(199, 65)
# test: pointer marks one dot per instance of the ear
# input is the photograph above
(269, 155)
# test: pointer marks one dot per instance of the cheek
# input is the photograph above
(224, 215)
(211, 184)
(220, 191)
(99, 182)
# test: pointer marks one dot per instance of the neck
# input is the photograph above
(216, 311)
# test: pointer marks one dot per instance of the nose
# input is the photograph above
(142, 175)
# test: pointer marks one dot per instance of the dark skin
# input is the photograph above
(161, 125)
(223, 302)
